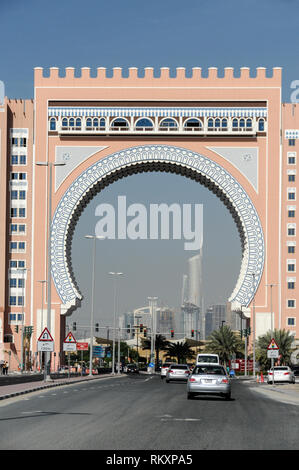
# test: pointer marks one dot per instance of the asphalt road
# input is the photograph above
(144, 413)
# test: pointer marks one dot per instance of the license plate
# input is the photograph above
(208, 381)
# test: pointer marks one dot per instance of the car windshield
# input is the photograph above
(208, 370)
(211, 359)
(179, 367)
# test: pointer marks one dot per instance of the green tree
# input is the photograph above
(283, 339)
(181, 351)
(225, 343)
(161, 344)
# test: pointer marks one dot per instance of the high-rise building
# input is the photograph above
(165, 320)
(215, 316)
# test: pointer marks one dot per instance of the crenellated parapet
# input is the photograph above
(151, 77)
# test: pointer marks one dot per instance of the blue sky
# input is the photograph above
(158, 33)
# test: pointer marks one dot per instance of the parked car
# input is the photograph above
(281, 374)
(164, 369)
(177, 372)
(132, 369)
(209, 379)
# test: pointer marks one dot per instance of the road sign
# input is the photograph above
(82, 346)
(45, 335)
(70, 344)
(272, 345)
(273, 353)
(45, 342)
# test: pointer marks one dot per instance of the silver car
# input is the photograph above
(177, 372)
(281, 374)
(209, 379)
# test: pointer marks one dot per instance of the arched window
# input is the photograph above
(119, 124)
(217, 122)
(71, 122)
(95, 122)
(235, 124)
(64, 122)
(78, 123)
(53, 124)
(168, 123)
(192, 124)
(248, 123)
(88, 123)
(210, 123)
(224, 123)
(242, 123)
(144, 124)
(261, 125)
(102, 123)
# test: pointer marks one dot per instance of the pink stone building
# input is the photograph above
(233, 135)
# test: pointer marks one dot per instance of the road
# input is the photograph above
(144, 413)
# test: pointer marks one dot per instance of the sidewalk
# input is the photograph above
(9, 391)
(284, 393)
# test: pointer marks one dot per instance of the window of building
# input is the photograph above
(292, 142)
(22, 246)
(13, 263)
(292, 158)
(14, 195)
(119, 124)
(291, 195)
(22, 176)
(53, 124)
(23, 160)
(291, 213)
(144, 124)
(23, 142)
(291, 178)
(12, 282)
(12, 300)
(22, 195)
(14, 159)
(291, 267)
(291, 285)
(291, 249)
(291, 231)
(168, 123)
(261, 125)
(291, 321)
(22, 212)
(15, 141)
(291, 303)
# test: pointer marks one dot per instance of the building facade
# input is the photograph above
(231, 134)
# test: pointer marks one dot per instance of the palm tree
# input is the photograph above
(283, 339)
(181, 351)
(161, 344)
(225, 343)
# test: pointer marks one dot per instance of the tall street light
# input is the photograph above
(153, 305)
(115, 277)
(253, 326)
(94, 238)
(50, 166)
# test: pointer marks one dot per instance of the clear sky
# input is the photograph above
(157, 33)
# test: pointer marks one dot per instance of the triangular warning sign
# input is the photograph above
(70, 338)
(45, 336)
(272, 344)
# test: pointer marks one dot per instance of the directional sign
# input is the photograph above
(272, 345)
(45, 342)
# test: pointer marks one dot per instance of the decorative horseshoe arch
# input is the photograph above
(156, 158)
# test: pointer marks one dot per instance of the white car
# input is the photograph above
(281, 374)
(164, 369)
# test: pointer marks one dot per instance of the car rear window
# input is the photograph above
(209, 370)
(166, 364)
(280, 368)
(179, 367)
(204, 359)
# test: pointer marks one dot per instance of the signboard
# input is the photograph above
(70, 344)
(82, 346)
(45, 342)
(99, 351)
(239, 364)
(272, 345)
(273, 353)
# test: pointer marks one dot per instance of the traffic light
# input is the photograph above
(128, 329)
(144, 332)
(249, 331)
(141, 327)
(17, 328)
(192, 333)
(97, 327)
(172, 333)
(74, 326)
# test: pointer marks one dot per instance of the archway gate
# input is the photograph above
(222, 132)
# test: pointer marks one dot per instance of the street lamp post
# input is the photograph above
(115, 276)
(94, 238)
(153, 301)
(23, 270)
(272, 322)
(41, 319)
(50, 166)
(253, 327)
